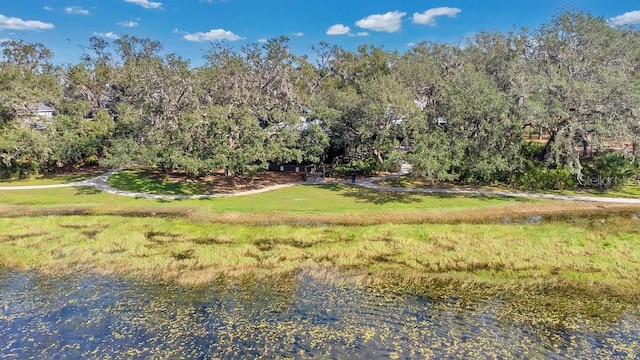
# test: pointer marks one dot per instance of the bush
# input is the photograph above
(359, 167)
(23, 152)
(608, 170)
(536, 176)
(532, 150)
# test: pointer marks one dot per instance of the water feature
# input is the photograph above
(89, 316)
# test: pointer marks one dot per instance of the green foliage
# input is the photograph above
(361, 167)
(77, 141)
(434, 156)
(454, 113)
(532, 151)
(314, 142)
(609, 171)
(23, 151)
(537, 177)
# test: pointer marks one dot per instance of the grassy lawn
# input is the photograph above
(338, 204)
(155, 182)
(52, 179)
(632, 189)
(142, 182)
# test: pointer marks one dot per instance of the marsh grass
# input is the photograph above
(426, 243)
(437, 258)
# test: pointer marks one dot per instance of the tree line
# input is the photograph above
(538, 108)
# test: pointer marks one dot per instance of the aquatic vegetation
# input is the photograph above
(96, 316)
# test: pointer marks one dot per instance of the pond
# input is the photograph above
(89, 316)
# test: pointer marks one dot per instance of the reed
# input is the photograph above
(595, 257)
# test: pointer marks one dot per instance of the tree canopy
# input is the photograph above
(466, 113)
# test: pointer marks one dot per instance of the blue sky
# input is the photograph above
(186, 26)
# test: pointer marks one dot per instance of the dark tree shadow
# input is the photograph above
(87, 190)
(376, 196)
(372, 196)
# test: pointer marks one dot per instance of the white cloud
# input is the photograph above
(12, 23)
(4, 39)
(390, 22)
(109, 35)
(338, 29)
(628, 18)
(297, 34)
(76, 10)
(262, 40)
(429, 17)
(49, 8)
(129, 23)
(212, 35)
(146, 4)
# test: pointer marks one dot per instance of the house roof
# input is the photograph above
(42, 108)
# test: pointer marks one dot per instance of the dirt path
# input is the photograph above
(101, 184)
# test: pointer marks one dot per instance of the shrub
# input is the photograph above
(538, 177)
(360, 167)
(608, 170)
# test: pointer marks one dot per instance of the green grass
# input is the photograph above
(52, 179)
(314, 198)
(142, 182)
(632, 189)
(629, 190)
(308, 204)
(583, 255)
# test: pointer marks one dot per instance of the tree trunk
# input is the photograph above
(546, 155)
(378, 155)
(231, 175)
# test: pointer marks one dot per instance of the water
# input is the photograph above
(89, 316)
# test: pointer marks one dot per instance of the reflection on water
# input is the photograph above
(104, 317)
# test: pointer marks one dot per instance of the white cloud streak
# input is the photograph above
(429, 16)
(390, 22)
(76, 10)
(146, 4)
(128, 24)
(13, 23)
(628, 18)
(212, 35)
(110, 35)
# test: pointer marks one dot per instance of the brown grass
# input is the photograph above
(550, 211)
